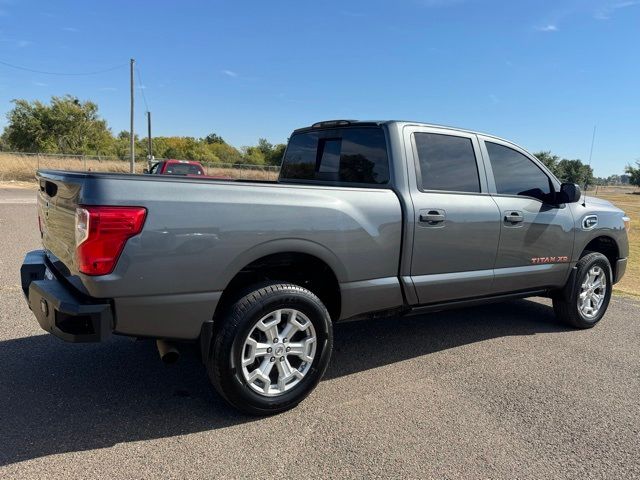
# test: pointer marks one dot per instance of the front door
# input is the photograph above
(537, 235)
(457, 222)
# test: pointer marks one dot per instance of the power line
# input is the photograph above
(18, 67)
(142, 88)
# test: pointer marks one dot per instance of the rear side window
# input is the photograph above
(447, 163)
(349, 155)
(515, 174)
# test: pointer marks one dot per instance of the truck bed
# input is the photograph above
(199, 233)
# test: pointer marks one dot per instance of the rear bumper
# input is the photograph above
(620, 268)
(58, 308)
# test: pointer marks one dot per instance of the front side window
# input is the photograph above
(447, 162)
(516, 174)
(349, 155)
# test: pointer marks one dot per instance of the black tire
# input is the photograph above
(224, 363)
(565, 303)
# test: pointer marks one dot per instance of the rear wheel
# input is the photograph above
(272, 349)
(586, 303)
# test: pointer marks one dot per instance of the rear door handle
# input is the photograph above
(513, 216)
(432, 216)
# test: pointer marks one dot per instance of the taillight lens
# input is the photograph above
(101, 233)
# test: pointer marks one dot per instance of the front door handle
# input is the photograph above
(513, 217)
(432, 216)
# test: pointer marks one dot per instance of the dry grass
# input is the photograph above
(625, 199)
(22, 168)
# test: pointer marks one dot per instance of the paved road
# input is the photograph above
(501, 391)
(17, 196)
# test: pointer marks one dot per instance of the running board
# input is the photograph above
(434, 307)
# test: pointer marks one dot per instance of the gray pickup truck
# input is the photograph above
(367, 219)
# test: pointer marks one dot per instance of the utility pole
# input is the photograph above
(132, 166)
(149, 142)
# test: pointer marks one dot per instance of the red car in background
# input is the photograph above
(186, 168)
(177, 167)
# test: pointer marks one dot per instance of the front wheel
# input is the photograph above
(272, 349)
(587, 301)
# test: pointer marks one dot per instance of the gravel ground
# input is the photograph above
(501, 391)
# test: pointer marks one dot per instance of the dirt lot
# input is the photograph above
(501, 391)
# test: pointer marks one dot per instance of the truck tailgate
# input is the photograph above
(57, 202)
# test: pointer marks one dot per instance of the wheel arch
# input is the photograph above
(607, 246)
(304, 263)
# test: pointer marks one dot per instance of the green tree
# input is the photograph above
(253, 155)
(549, 160)
(634, 174)
(225, 153)
(272, 153)
(68, 125)
(65, 125)
(213, 138)
(575, 171)
(275, 158)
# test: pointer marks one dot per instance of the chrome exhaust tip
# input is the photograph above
(169, 353)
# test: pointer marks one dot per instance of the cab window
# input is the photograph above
(516, 174)
(447, 162)
(355, 155)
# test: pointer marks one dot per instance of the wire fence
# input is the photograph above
(22, 166)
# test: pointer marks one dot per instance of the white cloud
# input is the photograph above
(605, 12)
(547, 28)
(230, 73)
(40, 84)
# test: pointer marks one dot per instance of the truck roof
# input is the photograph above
(326, 124)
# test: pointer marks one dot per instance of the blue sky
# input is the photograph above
(540, 73)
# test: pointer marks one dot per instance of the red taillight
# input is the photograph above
(101, 233)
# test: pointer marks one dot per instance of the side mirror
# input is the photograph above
(569, 193)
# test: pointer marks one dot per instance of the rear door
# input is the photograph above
(457, 223)
(537, 235)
